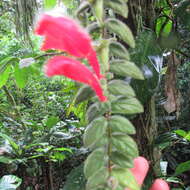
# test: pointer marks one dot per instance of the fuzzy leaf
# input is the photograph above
(125, 144)
(122, 160)
(119, 124)
(119, 50)
(83, 6)
(98, 179)
(94, 162)
(120, 29)
(84, 93)
(98, 8)
(104, 55)
(120, 87)
(94, 132)
(96, 110)
(120, 174)
(126, 68)
(118, 6)
(127, 106)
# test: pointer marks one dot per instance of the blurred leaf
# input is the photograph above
(119, 50)
(181, 132)
(121, 29)
(94, 162)
(6, 160)
(83, 94)
(63, 149)
(49, 4)
(14, 145)
(183, 167)
(52, 121)
(127, 106)
(126, 68)
(118, 6)
(4, 76)
(121, 124)
(94, 131)
(75, 179)
(163, 26)
(98, 8)
(125, 144)
(97, 109)
(82, 7)
(99, 178)
(122, 160)
(120, 174)
(21, 76)
(120, 87)
(9, 182)
(183, 13)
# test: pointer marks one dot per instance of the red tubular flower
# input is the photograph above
(65, 34)
(73, 69)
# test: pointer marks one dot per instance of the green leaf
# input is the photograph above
(6, 160)
(125, 144)
(63, 149)
(94, 162)
(127, 106)
(21, 76)
(97, 109)
(98, 9)
(5, 62)
(181, 132)
(103, 53)
(122, 160)
(98, 179)
(118, 6)
(182, 13)
(119, 124)
(94, 131)
(163, 26)
(49, 4)
(120, 87)
(183, 167)
(120, 29)
(82, 7)
(84, 93)
(5, 75)
(120, 174)
(51, 121)
(126, 68)
(11, 142)
(75, 179)
(9, 182)
(119, 50)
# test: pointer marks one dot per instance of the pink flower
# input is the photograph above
(65, 34)
(140, 170)
(73, 69)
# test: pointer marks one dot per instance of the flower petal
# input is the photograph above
(63, 33)
(60, 65)
(140, 169)
(160, 184)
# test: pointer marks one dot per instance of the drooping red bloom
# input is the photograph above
(73, 69)
(62, 33)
